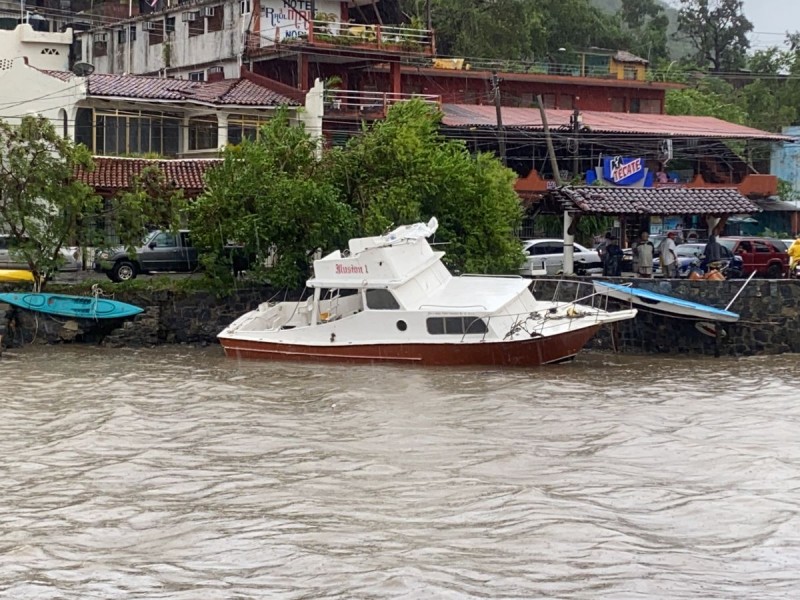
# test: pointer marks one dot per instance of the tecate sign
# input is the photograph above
(621, 170)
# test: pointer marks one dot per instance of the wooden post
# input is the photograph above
(396, 76)
(302, 72)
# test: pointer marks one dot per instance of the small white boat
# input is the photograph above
(391, 299)
(670, 305)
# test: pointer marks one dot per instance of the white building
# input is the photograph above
(43, 49)
(129, 115)
(202, 38)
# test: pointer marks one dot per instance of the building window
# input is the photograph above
(62, 114)
(127, 132)
(155, 31)
(635, 105)
(122, 36)
(566, 102)
(244, 5)
(50, 51)
(132, 33)
(629, 73)
(214, 22)
(650, 107)
(456, 326)
(197, 76)
(203, 133)
(241, 128)
(381, 300)
(196, 24)
(100, 47)
(169, 25)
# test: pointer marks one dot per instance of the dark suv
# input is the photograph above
(162, 251)
(764, 256)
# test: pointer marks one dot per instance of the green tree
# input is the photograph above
(42, 206)
(401, 170)
(711, 98)
(271, 196)
(717, 29)
(152, 202)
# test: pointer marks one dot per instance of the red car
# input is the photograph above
(767, 257)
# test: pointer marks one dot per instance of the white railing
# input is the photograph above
(368, 102)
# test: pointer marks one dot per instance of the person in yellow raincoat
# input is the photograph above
(794, 254)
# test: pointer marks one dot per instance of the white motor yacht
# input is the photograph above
(391, 299)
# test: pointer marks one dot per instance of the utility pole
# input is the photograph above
(569, 234)
(501, 134)
(576, 131)
(547, 137)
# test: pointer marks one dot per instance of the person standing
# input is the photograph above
(643, 253)
(794, 255)
(713, 250)
(612, 264)
(668, 252)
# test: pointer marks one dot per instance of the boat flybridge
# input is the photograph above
(391, 299)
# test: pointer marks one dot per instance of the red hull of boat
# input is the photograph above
(525, 353)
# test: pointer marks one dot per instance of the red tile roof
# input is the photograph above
(245, 91)
(226, 92)
(469, 115)
(115, 173)
(650, 201)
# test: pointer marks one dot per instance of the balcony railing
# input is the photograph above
(390, 38)
(355, 102)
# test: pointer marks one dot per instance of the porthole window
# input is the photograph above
(402, 325)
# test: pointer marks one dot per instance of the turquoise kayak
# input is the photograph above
(79, 307)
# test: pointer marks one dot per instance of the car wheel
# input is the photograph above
(774, 271)
(123, 271)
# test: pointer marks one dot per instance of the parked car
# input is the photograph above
(764, 256)
(690, 254)
(162, 251)
(8, 259)
(548, 254)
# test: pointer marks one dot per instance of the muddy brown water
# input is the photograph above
(179, 474)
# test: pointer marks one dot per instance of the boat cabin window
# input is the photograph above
(381, 300)
(456, 325)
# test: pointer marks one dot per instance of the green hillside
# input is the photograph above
(677, 48)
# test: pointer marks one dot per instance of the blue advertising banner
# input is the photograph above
(624, 171)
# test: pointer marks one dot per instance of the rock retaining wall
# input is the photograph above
(770, 324)
(769, 310)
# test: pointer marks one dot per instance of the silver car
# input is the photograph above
(548, 255)
(72, 256)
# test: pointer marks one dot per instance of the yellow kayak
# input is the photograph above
(14, 275)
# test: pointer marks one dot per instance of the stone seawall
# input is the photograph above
(769, 310)
(770, 319)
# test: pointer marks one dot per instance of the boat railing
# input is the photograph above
(452, 306)
(571, 290)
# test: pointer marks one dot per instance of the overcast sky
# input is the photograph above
(771, 19)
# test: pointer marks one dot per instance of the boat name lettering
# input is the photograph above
(350, 269)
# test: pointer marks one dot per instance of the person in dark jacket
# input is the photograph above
(612, 258)
(713, 250)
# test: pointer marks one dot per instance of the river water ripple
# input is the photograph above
(179, 474)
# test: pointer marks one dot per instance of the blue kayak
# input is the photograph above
(79, 307)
